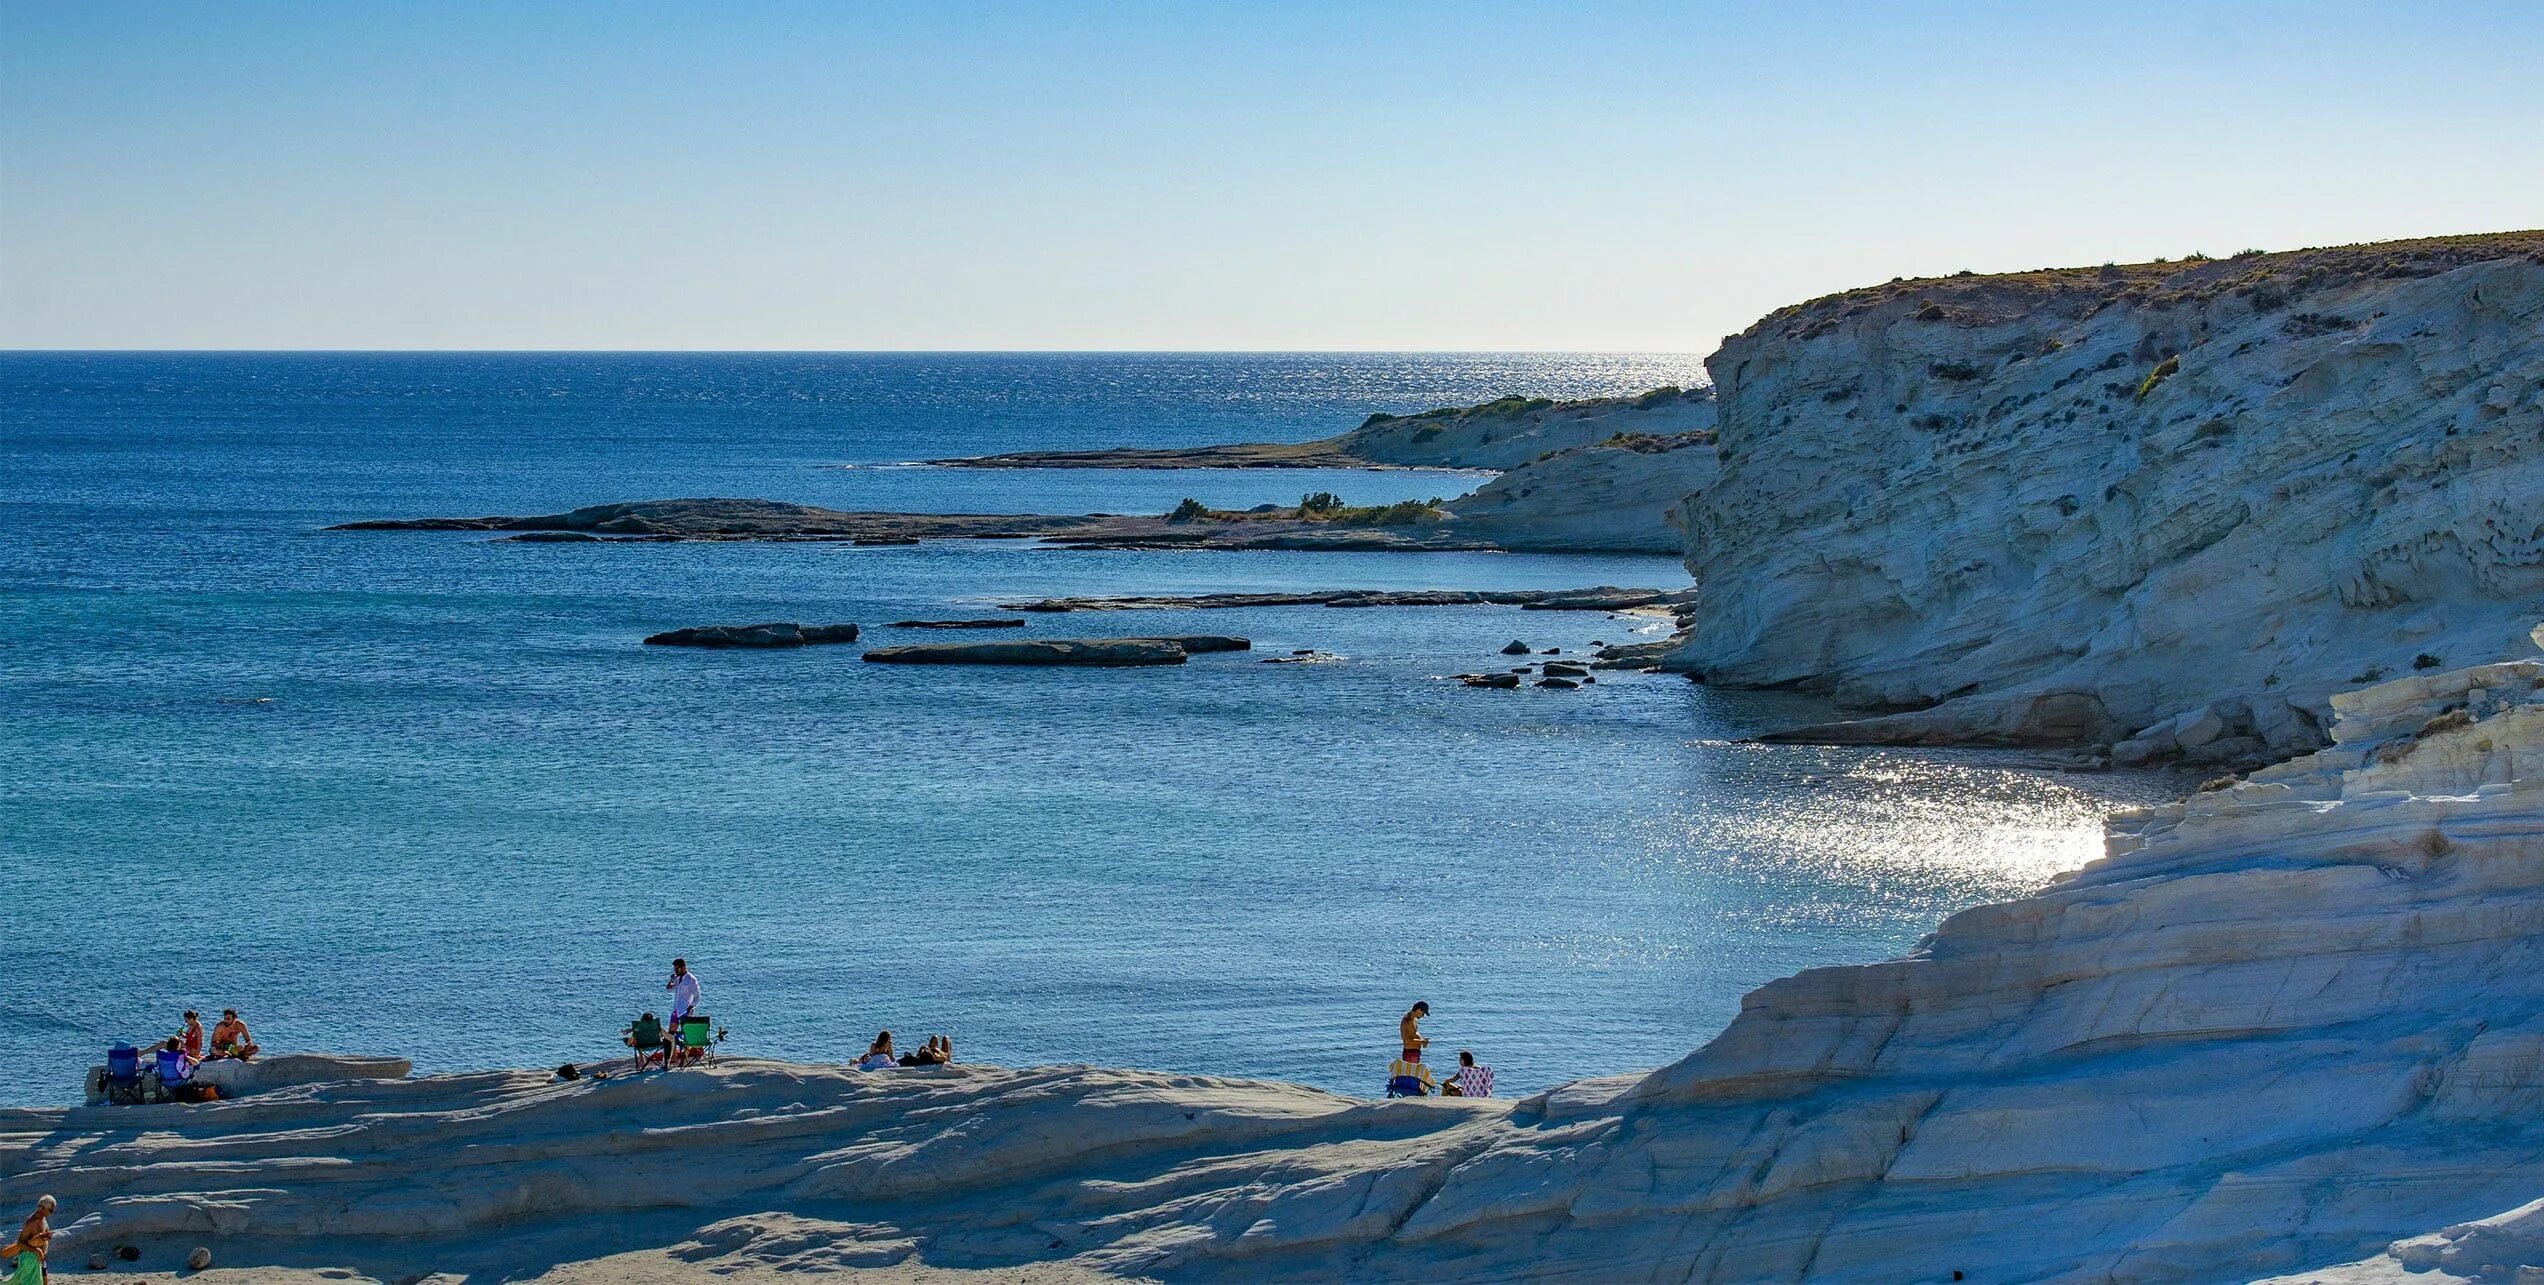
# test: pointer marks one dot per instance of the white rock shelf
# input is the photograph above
(2279, 1027)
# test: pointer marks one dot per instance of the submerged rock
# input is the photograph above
(1490, 680)
(1005, 623)
(1102, 652)
(775, 633)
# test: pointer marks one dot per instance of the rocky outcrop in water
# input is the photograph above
(1100, 652)
(2283, 1025)
(1618, 495)
(2119, 505)
(1505, 433)
(775, 633)
(1596, 598)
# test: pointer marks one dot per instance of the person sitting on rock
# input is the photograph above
(1471, 1081)
(938, 1051)
(1407, 1077)
(645, 1035)
(879, 1055)
(231, 1039)
(176, 1070)
(192, 1035)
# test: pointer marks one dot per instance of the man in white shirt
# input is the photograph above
(684, 990)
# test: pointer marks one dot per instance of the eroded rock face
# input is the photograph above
(2252, 482)
(1607, 497)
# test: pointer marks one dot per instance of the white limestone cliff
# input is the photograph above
(2281, 1027)
(2171, 506)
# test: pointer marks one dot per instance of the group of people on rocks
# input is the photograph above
(938, 1051)
(656, 1043)
(1409, 1077)
(181, 1053)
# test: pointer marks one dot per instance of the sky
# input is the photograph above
(1267, 176)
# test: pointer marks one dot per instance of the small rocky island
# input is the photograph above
(1095, 652)
(775, 633)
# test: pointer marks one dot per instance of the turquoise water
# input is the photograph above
(426, 793)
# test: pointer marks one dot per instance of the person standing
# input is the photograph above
(684, 991)
(25, 1256)
(1411, 1028)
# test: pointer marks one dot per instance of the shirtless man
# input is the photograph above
(230, 1037)
(25, 1255)
(1411, 1029)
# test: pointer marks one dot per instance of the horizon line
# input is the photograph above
(843, 352)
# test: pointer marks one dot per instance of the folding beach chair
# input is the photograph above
(697, 1039)
(645, 1039)
(122, 1084)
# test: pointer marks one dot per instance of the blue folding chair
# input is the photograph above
(123, 1075)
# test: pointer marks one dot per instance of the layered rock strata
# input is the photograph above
(2165, 506)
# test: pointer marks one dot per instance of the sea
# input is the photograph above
(428, 794)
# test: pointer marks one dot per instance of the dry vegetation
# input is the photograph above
(2269, 280)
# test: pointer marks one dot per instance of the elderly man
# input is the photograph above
(25, 1255)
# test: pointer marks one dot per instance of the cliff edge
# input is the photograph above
(2174, 507)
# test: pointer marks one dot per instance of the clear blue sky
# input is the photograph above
(1190, 175)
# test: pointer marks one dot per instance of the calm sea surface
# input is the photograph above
(426, 793)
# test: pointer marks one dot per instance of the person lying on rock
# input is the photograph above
(230, 1037)
(1471, 1081)
(879, 1055)
(24, 1257)
(938, 1051)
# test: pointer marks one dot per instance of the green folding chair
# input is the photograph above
(698, 1039)
(645, 1037)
